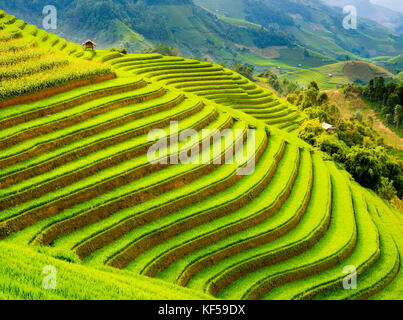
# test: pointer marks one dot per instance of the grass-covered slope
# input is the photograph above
(22, 278)
(393, 64)
(314, 25)
(78, 191)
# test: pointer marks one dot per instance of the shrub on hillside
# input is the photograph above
(365, 166)
(386, 189)
(332, 146)
(310, 131)
(282, 87)
(163, 49)
(376, 169)
(244, 70)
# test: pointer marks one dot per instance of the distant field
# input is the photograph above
(334, 75)
(288, 59)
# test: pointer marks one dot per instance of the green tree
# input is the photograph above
(398, 116)
(392, 100)
(365, 166)
(163, 49)
(313, 85)
(332, 146)
(310, 131)
(358, 116)
(389, 118)
(333, 112)
(386, 189)
(323, 98)
(245, 70)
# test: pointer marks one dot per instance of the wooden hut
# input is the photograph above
(89, 44)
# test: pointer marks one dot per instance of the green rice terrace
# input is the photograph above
(77, 191)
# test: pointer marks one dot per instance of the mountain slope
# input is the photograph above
(136, 24)
(313, 25)
(212, 35)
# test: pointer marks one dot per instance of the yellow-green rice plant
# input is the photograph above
(13, 45)
(4, 35)
(11, 57)
(32, 66)
(54, 77)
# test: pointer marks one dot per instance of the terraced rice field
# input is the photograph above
(214, 83)
(76, 184)
(26, 68)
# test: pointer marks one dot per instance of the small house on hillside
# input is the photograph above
(89, 44)
(329, 128)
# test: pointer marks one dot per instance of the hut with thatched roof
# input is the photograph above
(89, 44)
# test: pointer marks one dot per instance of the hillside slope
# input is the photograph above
(138, 24)
(314, 25)
(271, 40)
(393, 64)
(257, 215)
(333, 75)
(351, 103)
(23, 272)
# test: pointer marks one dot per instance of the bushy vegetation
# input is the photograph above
(355, 145)
(13, 45)
(122, 51)
(163, 49)
(245, 70)
(283, 87)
